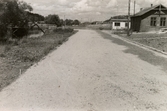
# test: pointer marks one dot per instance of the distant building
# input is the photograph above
(119, 23)
(150, 19)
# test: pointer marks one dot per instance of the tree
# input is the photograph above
(62, 22)
(76, 22)
(13, 14)
(53, 19)
(69, 22)
(33, 17)
(24, 6)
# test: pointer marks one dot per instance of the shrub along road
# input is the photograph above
(91, 72)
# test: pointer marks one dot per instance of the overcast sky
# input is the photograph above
(88, 10)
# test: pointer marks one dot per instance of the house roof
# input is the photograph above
(119, 20)
(144, 11)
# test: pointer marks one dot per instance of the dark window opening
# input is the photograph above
(117, 24)
(163, 21)
(153, 21)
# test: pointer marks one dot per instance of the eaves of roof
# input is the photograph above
(119, 20)
(144, 11)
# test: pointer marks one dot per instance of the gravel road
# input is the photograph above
(91, 72)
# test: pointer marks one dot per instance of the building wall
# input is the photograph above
(122, 25)
(135, 23)
(145, 23)
(142, 23)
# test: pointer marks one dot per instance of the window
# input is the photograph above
(163, 21)
(153, 21)
(126, 24)
(117, 24)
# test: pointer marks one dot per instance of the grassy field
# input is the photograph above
(155, 40)
(15, 58)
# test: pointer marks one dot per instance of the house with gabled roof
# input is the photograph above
(150, 19)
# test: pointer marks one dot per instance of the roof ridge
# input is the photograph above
(154, 6)
(147, 9)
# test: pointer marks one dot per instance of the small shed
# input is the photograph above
(149, 19)
(119, 23)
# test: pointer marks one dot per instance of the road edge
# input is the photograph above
(135, 43)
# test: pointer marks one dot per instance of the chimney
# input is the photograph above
(151, 5)
(141, 9)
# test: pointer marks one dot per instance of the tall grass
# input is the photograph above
(33, 49)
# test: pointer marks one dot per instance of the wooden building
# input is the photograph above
(119, 24)
(150, 19)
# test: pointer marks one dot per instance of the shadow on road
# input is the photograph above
(145, 55)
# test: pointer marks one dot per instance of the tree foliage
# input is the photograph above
(76, 22)
(70, 22)
(33, 17)
(12, 13)
(53, 19)
(24, 6)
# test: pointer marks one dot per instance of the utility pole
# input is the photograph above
(128, 32)
(134, 6)
(81, 20)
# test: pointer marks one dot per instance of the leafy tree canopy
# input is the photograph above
(53, 19)
(13, 13)
(76, 22)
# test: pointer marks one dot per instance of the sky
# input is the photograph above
(89, 10)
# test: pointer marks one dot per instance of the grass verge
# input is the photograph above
(16, 59)
(158, 41)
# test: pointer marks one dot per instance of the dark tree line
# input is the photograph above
(72, 22)
(55, 19)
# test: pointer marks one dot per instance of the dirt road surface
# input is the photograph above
(91, 72)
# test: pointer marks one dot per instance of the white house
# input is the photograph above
(119, 23)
